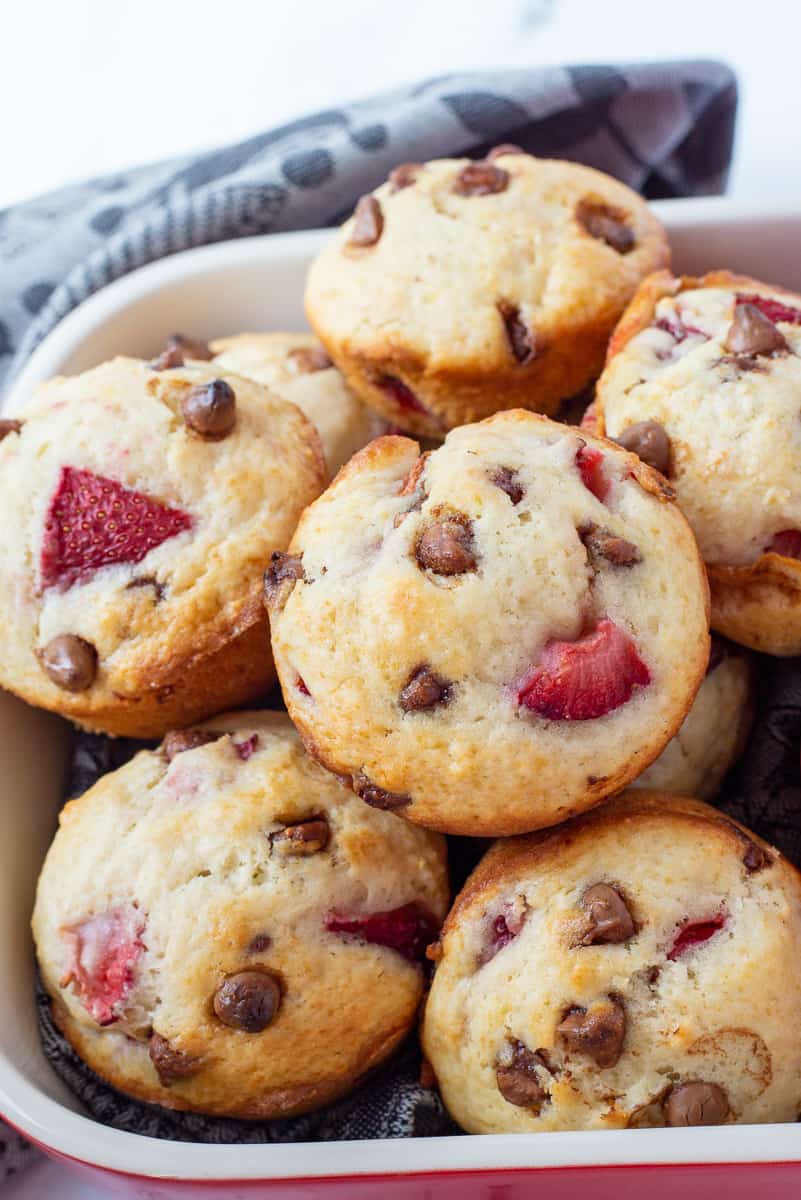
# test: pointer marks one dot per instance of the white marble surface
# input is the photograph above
(90, 86)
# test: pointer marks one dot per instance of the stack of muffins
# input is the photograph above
(493, 633)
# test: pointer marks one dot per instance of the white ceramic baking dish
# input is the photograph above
(258, 284)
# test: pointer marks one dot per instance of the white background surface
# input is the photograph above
(89, 86)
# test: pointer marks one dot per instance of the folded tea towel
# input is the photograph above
(665, 129)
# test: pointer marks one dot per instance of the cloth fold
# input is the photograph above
(666, 129)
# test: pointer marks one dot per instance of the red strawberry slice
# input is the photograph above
(786, 543)
(104, 952)
(408, 929)
(774, 310)
(590, 463)
(577, 681)
(693, 933)
(245, 749)
(503, 929)
(94, 522)
(402, 394)
(678, 328)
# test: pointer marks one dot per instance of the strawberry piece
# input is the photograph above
(590, 463)
(94, 522)
(678, 328)
(577, 681)
(246, 748)
(774, 310)
(408, 930)
(300, 684)
(104, 952)
(787, 543)
(402, 394)
(503, 929)
(693, 933)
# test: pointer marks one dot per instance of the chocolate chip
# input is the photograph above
(306, 837)
(598, 1031)
(481, 179)
(308, 359)
(507, 480)
(171, 1064)
(755, 858)
(7, 426)
(141, 581)
(606, 223)
(179, 740)
(210, 410)
(70, 661)
(696, 1103)
(403, 176)
(446, 547)
(751, 332)
(504, 148)
(191, 347)
(649, 441)
(248, 1000)
(424, 689)
(378, 797)
(259, 944)
(368, 222)
(169, 358)
(600, 543)
(280, 578)
(516, 1075)
(521, 339)
(608, 919)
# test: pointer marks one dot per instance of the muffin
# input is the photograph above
(493, 636)
(224, 928)
(714, 732)
(295, 366)
(703, 381)
(635, 967)
(461, 288)
(140, 508)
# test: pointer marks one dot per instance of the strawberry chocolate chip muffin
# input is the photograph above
(493, 636)
(703, 381)
(635, 967)
(460, 288)
(224, 928)
(715, 731)
(296, 367)
(141, 506)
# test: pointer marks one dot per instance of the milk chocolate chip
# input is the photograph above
(507, 480)
(70, 661)
(308, 359)
(368, 222)
(210, 410)
(446, 547)
(378, 797)
(248, 1001)
(481, 179)
(601, 543)
(424, 689)
(517, 1078)
(306, 837)
(280, 578)
(696, 1103)
(598, 1031)
(179, 740)
(648, 440)
(605, 223)
(7, 426)
(171, 1064)
(521, 339)
(752, 333)
(608, 919)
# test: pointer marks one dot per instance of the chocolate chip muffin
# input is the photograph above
(460, 288)
(703, 381)
(141, 506)
(635, 967)
(715, 731)
(224, 928)
(295, 366)
(493, 636)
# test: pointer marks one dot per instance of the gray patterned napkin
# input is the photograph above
(666, 129)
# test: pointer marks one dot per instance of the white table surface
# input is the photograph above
(82, 93)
